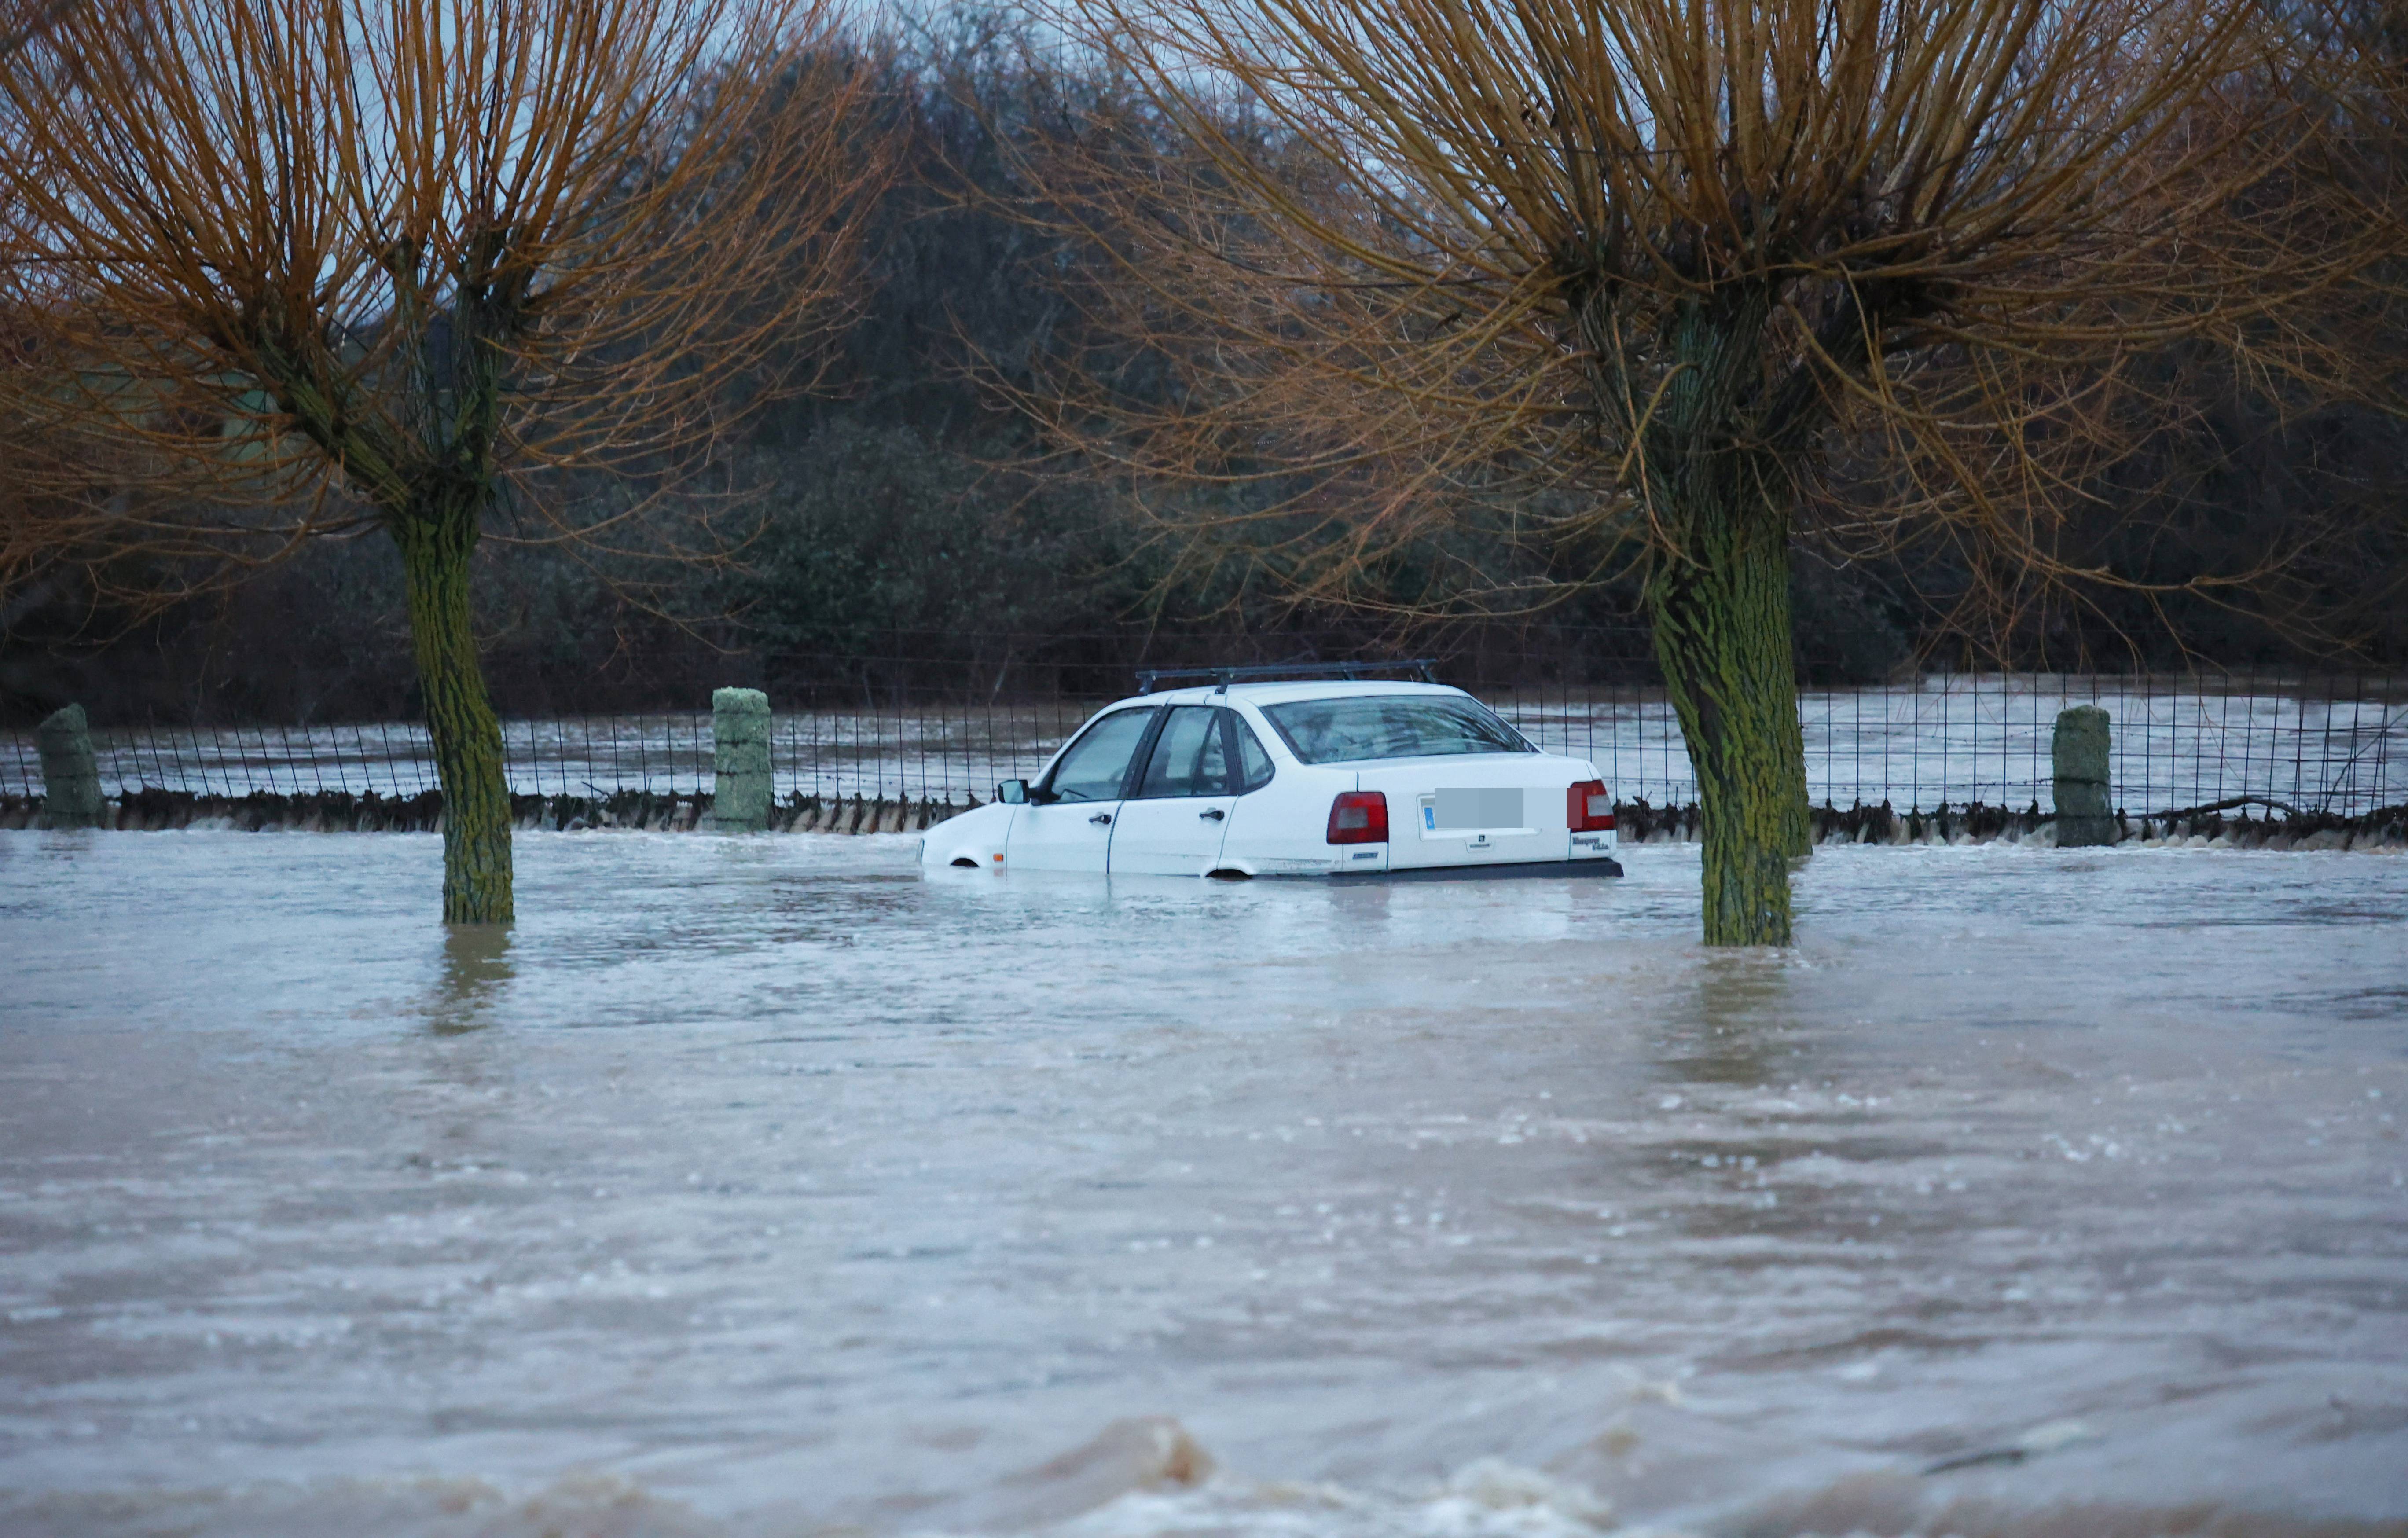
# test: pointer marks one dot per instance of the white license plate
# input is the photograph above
(1464, 810)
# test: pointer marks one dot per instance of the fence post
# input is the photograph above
(739, 741)
(70, 777)
(2079, 755)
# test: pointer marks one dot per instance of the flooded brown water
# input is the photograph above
(766, 1187)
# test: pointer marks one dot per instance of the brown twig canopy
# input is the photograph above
(267, 249)
(1401, 248)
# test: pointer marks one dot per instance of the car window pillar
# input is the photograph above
(1133, 778)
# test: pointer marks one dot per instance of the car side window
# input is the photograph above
(1190, 758)
(1255, 763)
(1097, 763)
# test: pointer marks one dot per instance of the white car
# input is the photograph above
(1332, 778)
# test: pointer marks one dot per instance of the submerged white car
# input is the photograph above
(1343, 780)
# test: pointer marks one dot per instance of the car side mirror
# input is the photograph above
(1011, 792)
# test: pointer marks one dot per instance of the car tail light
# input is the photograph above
(1359, 816)
(1589, 806)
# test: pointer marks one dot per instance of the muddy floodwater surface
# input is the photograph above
(766, 1187)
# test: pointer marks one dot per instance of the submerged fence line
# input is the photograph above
(2334, 745)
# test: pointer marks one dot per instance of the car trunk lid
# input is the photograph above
(1474, 809)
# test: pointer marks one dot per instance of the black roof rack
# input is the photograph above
(1148, 677)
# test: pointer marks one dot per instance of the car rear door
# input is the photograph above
(1280, 823)
(1173, 824)
(1068, 823)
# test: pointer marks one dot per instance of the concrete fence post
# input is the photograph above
(70, 776)
(739, 738)
(2079, 755)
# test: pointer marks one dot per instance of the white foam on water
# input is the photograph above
(1488, 1499)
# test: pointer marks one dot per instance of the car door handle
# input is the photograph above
(1214, 813)
(1102, 817)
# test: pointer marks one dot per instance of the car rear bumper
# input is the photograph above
(1484, 872)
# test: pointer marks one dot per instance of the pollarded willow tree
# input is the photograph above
(1653, 252)
(319, 267)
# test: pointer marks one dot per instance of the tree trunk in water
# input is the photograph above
(1720, 613)
(435, 550)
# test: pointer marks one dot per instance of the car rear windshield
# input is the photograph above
(1338, 731)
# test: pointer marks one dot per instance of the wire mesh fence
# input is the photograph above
(2333, 744)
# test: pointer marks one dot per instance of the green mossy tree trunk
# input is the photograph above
(1720, 618)
(1715, 439)
(436, 545)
